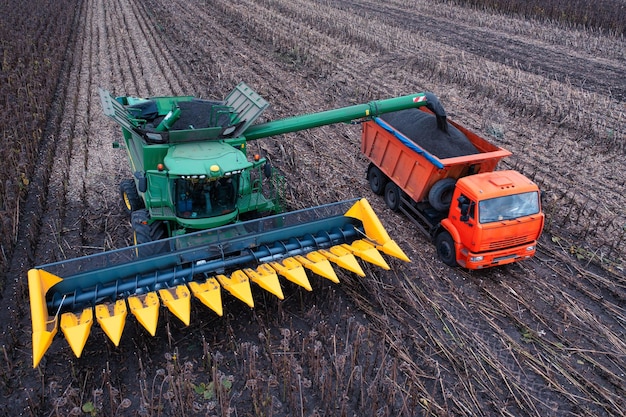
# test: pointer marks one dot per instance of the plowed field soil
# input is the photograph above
(545, 337)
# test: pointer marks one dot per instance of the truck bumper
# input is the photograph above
(482, 260)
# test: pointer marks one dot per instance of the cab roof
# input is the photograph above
(495, 184)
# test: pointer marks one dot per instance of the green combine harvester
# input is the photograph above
(206, 216)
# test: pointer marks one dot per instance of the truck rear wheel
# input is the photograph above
(377, 179)
(392, 196)
(440, 194)
(145, 233)
(130, 196)
(445, 248)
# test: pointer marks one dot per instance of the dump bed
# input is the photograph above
(402, 155)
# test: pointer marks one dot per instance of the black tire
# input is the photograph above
(440, 194)
(130, 196)
(377, 179)
(145, 232)
(392, 196)
(445, 248)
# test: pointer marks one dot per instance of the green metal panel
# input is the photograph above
(247, 104)
(198, 158)
(159, 191)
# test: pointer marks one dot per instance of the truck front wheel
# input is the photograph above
(445, 248)
(376, 179)
(392, 196)
(130, 197)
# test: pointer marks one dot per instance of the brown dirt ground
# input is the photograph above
(542, 338)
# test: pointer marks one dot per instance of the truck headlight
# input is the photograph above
(530, 248)
(476, 258)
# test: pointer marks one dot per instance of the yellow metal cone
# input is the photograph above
(146, 309)
(391, 248)
(112, 318)
(76, 329)
(266, 278)
(44, 325)
(178, 301)
(374, 229)
(238, 285)
(293, 271)
(367, 252)
(318, 263)
(343, 258)
(209, 293)
(42, 341)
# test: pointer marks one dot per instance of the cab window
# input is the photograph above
(508, 207)
(204, 197)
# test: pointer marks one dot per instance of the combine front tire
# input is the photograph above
(376, 179)
(445, 248)
(145, 233)
(130, 197)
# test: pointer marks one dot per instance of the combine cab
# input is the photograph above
(205, 218)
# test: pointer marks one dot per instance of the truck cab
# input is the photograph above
(495, 218)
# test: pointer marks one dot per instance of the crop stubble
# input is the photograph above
(541, 338)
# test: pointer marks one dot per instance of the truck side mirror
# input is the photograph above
(465, 205)
(465, 212)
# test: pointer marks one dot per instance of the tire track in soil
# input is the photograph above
(540, 59)
(170, 72)
(66, 193)
(44, 192)
(130, 63)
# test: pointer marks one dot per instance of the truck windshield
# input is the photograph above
(508, 207)
(204, 197)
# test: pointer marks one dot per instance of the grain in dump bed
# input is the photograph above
(421, 128)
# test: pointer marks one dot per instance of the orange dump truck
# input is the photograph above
(442, 176)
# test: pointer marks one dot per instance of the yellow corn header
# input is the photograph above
(104, 287)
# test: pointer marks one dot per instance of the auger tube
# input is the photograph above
(341, 115)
